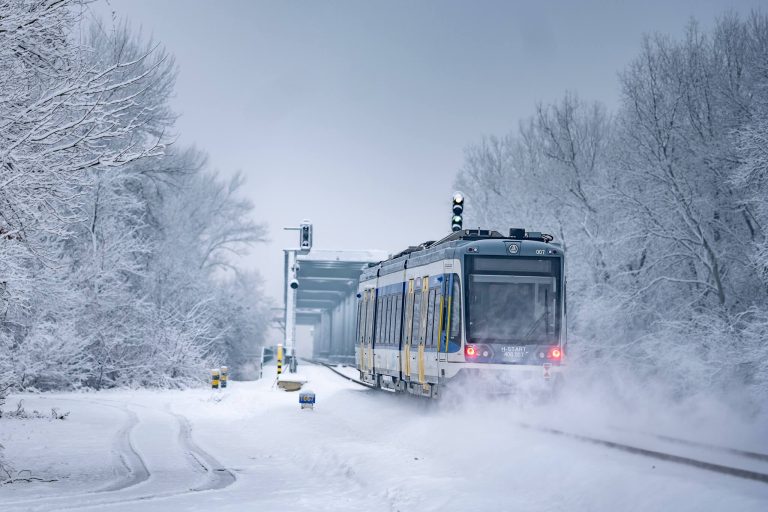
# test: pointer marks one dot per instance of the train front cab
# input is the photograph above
(513, 317)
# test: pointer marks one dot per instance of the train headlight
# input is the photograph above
(470, 351)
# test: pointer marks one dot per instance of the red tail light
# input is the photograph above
(470, 351)
(555, 353)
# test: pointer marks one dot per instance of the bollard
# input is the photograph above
(224, 376)
(215, 378)
(279, 358)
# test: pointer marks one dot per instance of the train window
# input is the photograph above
(519, 309)
(436, 318)
(388, 324)
(416, 329)
(424, 309)
(430, 318)
(518, 264)
(383, 333)
(363, 316)
(359, 319)
(372, 317)
(384, 319)
(408, 313)
(454, 340)
(364, 319)
(383, 329)
(398, 317)
(392, 319)
(371, 311)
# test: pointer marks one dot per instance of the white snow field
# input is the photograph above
(250, 447)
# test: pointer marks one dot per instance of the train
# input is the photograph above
(475, 306)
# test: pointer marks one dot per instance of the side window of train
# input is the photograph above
(436, 317)
(363, 316)
(385, 324)
(455, 334)
(391, 330)
(371, 318)
(357, 327)
(398, 317)
(424, 309)
(416, 328)
(437, 329)
(430, 318)
(408, 313)
(383, 329)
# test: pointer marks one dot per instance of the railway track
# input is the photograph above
(638, 450)
(340, 374)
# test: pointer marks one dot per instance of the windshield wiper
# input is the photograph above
(544, 315)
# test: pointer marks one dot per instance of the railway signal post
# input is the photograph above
(291, 285)
(457, 219)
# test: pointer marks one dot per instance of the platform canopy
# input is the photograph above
(328, 277)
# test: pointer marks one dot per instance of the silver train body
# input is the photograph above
(472, 305)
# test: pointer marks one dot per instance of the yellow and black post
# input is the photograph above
(224, 376)
(215, 378)
(279, 358)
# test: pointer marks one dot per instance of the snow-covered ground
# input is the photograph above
(252, 448)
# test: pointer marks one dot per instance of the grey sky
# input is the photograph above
(355, 114)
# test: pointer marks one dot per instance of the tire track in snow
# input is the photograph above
(122, 491)
(124, 453)
(127, 454)
(218, 476)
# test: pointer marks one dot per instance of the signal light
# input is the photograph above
(555, 353)
(458, 203)
(458, 209)
(470, 351)
(305, 237)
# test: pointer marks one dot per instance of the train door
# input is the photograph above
(432, 334)
(405, 358)
(419, 326)
(362, 316)
(371, 329)
(397, 336)
(367, 310)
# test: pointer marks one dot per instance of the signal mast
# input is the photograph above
(458, 209)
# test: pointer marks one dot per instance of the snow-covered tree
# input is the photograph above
(661, 206)
(116, 250)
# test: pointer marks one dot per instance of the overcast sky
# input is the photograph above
(355, 114)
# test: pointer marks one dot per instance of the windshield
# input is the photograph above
(514, 309)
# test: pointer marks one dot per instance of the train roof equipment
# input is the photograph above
(434, 250)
